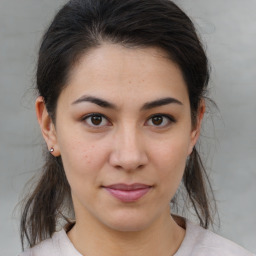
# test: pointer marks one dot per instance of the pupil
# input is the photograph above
(96, 120)
(157, 120)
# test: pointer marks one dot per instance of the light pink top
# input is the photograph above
(197, 242)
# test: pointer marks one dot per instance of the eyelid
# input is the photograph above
(85, 117)
(170, 118)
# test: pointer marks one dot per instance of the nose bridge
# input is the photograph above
(130, 141)
(128, 150)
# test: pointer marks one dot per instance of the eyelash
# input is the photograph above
(170, 120)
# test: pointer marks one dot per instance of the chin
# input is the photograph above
(128, 222)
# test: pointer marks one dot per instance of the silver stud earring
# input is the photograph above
(51, 150)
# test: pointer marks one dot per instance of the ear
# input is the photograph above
(195, 133)
(47, 126)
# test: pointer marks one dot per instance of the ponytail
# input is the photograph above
(198, 188)
(44, 206)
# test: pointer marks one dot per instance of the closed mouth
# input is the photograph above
(128, 193)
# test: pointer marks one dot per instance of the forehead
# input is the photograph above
(119, 73)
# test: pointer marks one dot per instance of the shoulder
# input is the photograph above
(58, 245)
(43, 248)
(199, 241)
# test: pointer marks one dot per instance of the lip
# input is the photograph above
(128, 193)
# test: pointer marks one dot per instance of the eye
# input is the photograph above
(96, 120)
(160, 120)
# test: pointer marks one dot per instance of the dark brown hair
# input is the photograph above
(85, 24)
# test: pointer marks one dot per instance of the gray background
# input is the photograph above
(228, 29)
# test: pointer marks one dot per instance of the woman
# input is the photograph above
(121, 100)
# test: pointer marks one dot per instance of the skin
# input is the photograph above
(127, 146)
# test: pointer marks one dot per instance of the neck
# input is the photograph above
(162, 238)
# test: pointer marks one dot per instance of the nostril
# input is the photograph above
(129, 168)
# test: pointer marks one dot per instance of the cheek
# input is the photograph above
(171, 153)
(74, 151)
(170, 160)
(83, 157)
(80, 160)
(81, 167)
(77, 158)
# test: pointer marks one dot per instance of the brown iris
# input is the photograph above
(96, 120)
(157, 120)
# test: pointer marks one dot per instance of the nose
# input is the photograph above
(128, 150)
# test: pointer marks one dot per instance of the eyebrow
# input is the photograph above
(146, 106)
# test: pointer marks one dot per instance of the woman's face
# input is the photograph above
(123, 130)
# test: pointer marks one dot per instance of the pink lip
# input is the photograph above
(128, 193)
